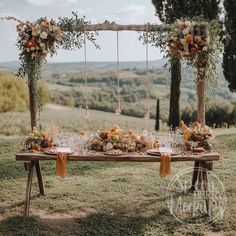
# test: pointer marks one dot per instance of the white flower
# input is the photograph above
(57, 31)
(188, 23)
(204, 48)
(43, 35)
(37, 48)
(27, 49)
(42, 45)
(32, 48)
(45, 51)
(36, 30)
(185, 31)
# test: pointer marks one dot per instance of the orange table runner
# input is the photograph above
(165, 164)
(61, 164)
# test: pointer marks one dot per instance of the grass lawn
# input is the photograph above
(103, 198)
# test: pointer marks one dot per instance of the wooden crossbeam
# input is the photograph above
(112, 26)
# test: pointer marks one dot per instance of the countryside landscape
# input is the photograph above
(117, 118)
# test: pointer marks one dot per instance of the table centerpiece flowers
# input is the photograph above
(117, 139)
(196, 136)
(38, 139)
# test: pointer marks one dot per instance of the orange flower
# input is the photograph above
(31, 43)
(193, 50)
(104, 133)
(194, 132)
(46, 24)
(36, 147)
(189, 38)
(177, 42)
(142, 138)
(199, 138)
(196, 123)
(197, 39)
(82, 133)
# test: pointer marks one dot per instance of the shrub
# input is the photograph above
(14, 93)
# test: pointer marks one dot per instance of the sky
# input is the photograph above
(97, 11)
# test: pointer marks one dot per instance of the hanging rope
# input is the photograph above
(86, 78)
(147, 113)
(118, 108)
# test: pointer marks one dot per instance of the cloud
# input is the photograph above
(50, 2)
(83, 12)
(130, 13)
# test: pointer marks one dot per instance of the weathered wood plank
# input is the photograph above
(112, 26)
(29, 167)
(27, 156)
(39, 177)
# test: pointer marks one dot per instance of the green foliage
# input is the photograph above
(218, 113)
(170, 10)
(73, 31)
(13, 93)
(229, 57)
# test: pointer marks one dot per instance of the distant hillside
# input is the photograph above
(64, 67)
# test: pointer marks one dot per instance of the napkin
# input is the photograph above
(165, 164)
(61, 164)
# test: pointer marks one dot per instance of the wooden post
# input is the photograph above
(39, 177)
(33, 74)
(201, 101)
(29, 166)
(157, 126)
(32, 103)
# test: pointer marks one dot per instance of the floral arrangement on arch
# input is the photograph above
(188, 39)
(37, 39)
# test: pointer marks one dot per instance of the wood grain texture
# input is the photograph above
(29, 156)
(112, 26)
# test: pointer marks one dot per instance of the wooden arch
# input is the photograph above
(112, 26)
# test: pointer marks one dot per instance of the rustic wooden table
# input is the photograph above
(202, 164)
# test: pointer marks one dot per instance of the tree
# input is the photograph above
(229, 57)
(169, 11)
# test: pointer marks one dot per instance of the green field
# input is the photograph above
(99, 198)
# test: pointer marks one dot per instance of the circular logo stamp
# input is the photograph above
(202, 205)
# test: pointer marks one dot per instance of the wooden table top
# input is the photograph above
(130, 157)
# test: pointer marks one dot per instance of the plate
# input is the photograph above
(159, 151)
(115, 153)
(54, 151)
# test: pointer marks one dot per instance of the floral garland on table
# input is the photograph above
(38, 139)
(117, 139)
(196, 136)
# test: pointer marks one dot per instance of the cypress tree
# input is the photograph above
(229, 56)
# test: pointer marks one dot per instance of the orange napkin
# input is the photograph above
(165, 164)
(61, 164)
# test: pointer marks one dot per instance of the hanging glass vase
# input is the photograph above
(118, 109)
(147, 114)
(86, 112)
